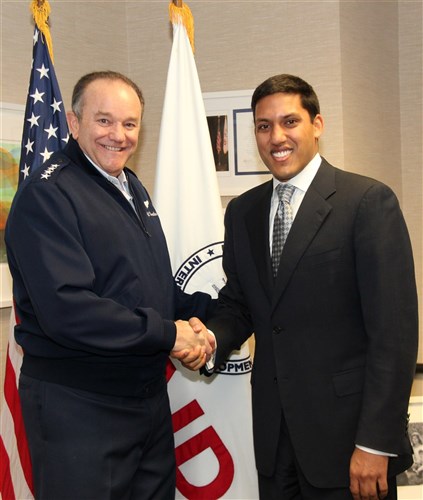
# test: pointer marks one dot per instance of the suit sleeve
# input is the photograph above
(198, 304)
(54, 282)
(386, 281)
(231, 322)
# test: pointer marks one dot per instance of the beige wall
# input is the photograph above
(363, 58)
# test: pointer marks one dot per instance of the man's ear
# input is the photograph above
(73, 123)
(319, 125)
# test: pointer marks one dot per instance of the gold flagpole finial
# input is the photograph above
(179, 12)
(40, 12)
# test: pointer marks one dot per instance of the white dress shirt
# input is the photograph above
(301, 182)
(121, 182)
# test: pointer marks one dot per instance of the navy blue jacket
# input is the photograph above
(92, 282)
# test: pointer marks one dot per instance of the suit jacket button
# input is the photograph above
(277, 330)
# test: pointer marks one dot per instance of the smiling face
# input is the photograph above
(287, 138)
(108, 128)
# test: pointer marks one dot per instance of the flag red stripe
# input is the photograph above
(11, 396)
(6, 484)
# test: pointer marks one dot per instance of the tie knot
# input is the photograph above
(285, 192)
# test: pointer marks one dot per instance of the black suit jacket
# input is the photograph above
(336, 332)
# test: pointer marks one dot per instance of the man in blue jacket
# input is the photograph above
(97, 305)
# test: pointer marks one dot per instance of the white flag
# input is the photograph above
(211, 416)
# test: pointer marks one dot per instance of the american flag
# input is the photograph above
(44, 132)
(45, 128)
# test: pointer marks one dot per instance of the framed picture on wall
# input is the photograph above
(410, 482)
(230, 119)
(11, 116)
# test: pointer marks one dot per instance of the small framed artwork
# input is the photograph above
(230, 120)
(410, 482)
(11, 126)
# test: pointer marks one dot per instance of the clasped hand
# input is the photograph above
(194, 344)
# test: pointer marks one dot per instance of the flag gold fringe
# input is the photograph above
(40, 12)
(183, 15)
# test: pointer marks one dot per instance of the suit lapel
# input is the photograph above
(257, 223)
(313, 211)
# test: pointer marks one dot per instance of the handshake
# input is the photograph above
(194, 344)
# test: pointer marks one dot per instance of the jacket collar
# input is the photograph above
(313, 211)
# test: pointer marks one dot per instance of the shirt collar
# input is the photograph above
(120, 181)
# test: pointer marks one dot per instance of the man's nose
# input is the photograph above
(278, 134)
(117, 132)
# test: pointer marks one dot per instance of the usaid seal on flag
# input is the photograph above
(199, 267)
(211, 416)
(197, 273)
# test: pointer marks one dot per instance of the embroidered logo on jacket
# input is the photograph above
(149, 212)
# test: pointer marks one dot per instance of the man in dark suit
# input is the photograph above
(335, 317)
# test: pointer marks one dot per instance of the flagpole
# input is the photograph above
(181, 13)
(40, 12)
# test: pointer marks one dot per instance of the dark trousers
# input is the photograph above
(88, 446)
(289, 483)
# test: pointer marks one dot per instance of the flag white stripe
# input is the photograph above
(22, 492)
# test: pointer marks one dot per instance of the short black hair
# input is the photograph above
(288, 84)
